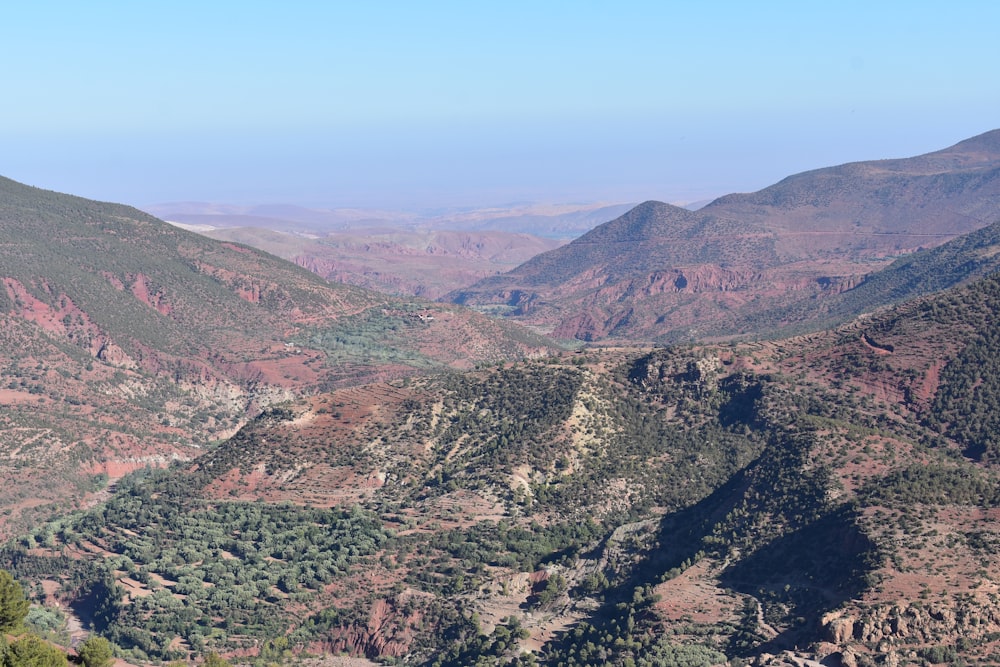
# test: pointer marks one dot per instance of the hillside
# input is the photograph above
(128, 341)
(831, 496)
(965, 258)
(663, 273)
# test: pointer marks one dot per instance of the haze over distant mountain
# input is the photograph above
(661, 272)
(426, 254)
(560, 221)
(424, 263)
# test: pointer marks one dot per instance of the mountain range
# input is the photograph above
(661, 273)
(206, 449)
(830, 497)
(426, 254)
(557, 221)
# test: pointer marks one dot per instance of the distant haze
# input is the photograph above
(431, 105)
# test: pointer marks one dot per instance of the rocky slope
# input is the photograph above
(660, 272)
(130, 341)
(827, 497)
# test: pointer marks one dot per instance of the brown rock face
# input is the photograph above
(388, 633)
(839, 630)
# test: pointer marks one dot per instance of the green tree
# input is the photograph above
(33, 651)
(215, 660)
(13, 604)
(97, 652)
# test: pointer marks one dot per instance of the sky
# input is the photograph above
(428, 105)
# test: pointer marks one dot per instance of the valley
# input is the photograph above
(763, 433)
(129, 342)
(425, 254)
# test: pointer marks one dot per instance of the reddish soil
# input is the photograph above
(694, 596)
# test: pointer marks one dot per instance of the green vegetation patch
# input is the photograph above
(376, 335)
(214, 572)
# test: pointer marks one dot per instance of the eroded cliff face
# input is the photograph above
(58, 314)
(388, 632)
(85, 403)
(234, 385)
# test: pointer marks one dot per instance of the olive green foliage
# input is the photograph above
(376, 335)
(518, 416)
(628, 636)
(13, 604)
(33, 651)
(96, 651)
(522, 548)
(499, 648)
(229, 564)
(395, 333)
(967, 403)
(215, 660)
(510, 414)
(935, 484)
(48, 622)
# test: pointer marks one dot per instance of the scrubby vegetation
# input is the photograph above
(967, 404)
(567, 504)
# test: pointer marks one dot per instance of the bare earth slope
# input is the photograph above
(130, 341)
(659, 272)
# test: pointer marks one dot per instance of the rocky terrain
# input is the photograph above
(208, 449)
(130, 342)
(828, 497)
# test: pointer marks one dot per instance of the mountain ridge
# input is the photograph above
(130, 341)
(414, 483)
(826, 226)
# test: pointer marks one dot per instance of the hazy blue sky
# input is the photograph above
(427, 104)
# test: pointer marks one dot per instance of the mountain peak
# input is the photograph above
(987, 142)
(658, 270)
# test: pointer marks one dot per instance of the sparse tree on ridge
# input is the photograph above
(97, 652)
(13, 604)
